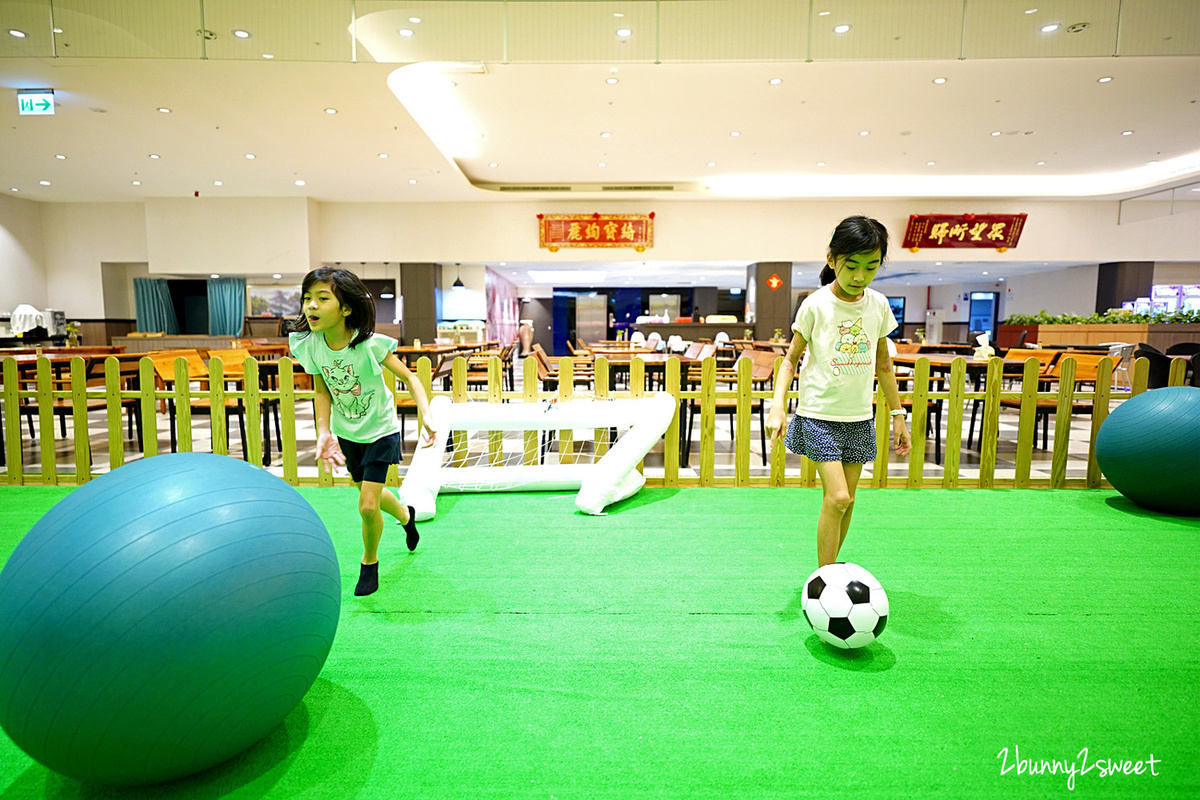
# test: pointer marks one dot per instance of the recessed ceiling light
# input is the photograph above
(999, 279)
(775, 81)
(299, 183)
(822, 13)
(618, 14)
(16, 33)
(414, 20)
(820, 163)
(164, 110)
(56, 30)
(937, 263)
(412, 180)
(602, 164)
(331, 111)
(840, 28)
(383, 155)
(276, 276)
(735, 133)
(493, 164)
(611, 81)
(711, 164)
(1041, 164)
(241, 34)
(137, 183)
(47, 183)
(624, 32)
(1105, 79)
(14, 189)
(218, 183)
(1151, 163)
(250, 156)
(864, 133)
(939, 81)
(405, 32)
(1051, 28)
(929, 163)
(214, 275)
(61, 157)
(995, 133)
(1031, 11)
(1127, 133)
(985, 272)
(154, 155)
(605, 134)
(267, 55)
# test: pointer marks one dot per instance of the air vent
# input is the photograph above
(661, 188)
(535, 188)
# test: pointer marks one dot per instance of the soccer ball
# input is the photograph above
(845, 605)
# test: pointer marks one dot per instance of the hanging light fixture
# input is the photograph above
(458, 284)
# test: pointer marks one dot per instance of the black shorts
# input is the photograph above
(370, 461)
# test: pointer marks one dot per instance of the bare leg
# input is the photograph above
(852, 472)
(836, 504)
(369, 502)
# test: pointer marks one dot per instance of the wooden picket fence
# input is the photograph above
(44, 391)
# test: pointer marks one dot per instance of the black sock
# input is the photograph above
(368, 579)
(410, 528)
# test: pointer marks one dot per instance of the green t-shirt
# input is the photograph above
(363, 408)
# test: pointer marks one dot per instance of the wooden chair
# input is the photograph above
(93, 378)
(1086, 367)
(407, 407)
(233, 361)
(761, 376)
(164, 372)
(583, 373)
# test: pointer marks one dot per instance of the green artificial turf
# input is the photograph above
(528, 651)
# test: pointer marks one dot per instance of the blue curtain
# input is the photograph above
(226, 306)
(154, 309)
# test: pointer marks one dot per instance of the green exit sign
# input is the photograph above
(35, 101)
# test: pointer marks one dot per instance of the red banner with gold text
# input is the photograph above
(596, 230)
(1000, 231)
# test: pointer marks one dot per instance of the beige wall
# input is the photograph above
(22, 257)
(234, 236)
(53, 252)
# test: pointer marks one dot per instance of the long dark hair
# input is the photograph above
(855, 234)
(351, 293)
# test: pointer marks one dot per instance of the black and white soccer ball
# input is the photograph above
(845, 605)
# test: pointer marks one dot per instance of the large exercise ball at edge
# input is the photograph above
(1149, 449)
(163, 618)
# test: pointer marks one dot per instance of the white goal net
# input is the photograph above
(592, 445)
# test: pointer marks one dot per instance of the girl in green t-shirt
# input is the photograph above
(355, 414)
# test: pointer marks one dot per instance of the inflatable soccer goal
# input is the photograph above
(593, 445)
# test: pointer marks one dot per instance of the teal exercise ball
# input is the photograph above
(1149, 449)
(163, 618)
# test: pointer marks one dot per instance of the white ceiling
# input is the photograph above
(530, 92)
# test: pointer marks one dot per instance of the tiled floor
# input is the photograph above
(724, 462)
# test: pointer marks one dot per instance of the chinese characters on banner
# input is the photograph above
(1000, 231)
(596, 230)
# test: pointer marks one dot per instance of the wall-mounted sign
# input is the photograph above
(1000, 231)
(774, 282)
(596, 230)
(35, 101)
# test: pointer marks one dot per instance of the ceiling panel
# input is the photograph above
(31, 19)
(128, 29)
(927, 29)
(1154, 28)
(733, 30)
(1003, 29)
(446, 31)
(292, 30)
(580, 32)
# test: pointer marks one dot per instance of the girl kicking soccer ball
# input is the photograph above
(844, 325)
(356, 417)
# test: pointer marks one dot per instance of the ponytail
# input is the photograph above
(827, 275)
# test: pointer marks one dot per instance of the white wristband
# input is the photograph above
(899, 412)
